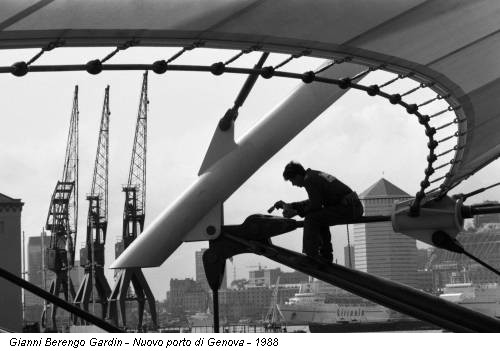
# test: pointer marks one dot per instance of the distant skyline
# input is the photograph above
(360, 140)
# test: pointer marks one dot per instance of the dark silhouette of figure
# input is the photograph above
(330, 202)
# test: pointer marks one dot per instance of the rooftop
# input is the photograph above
(7, 200)
(383, 189)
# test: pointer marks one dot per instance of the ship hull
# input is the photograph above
(331, 313)
(482, 298)
(491, 309)
(403, 325)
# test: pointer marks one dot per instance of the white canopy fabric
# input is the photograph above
(453, 43)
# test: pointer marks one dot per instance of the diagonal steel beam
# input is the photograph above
(58, 302)
(396, 296)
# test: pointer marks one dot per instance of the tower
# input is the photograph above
(62, 220)
(199, 270)
(134, 213)
(349, 260)
(92, 256)
(378, 249)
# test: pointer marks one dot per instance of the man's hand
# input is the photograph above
(289, 211)
(280, 204)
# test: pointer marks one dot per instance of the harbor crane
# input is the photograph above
(62, 220)
(92, 255)
(134, 213)
(274, 318)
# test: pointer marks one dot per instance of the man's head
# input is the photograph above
(295, 173)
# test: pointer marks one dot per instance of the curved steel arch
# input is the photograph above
(406, 36)
(415, 35)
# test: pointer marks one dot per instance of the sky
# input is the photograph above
(359, 139)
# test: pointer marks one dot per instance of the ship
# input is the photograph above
(483, 298)
(306, 308)
(201, 319)
(329, 309)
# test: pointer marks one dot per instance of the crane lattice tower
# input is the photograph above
(92, 255)
(134, 213)
(62, 220)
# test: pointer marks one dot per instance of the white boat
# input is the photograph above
(483, 298)
(310, 305)
(201, 319)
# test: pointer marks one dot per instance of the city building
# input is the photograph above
(33, 305)
(293, 278)
(378, 250)
(442, 273)
(200, 272)
(35, 266)
(186, 296)
(119, 247)
(251, 303)
(423, 256)
(424, 276)
(268, 277)
(263, 277)
(482, 242)
(485, 219)
(424, 280)
(11, 317)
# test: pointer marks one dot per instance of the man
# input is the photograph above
(330, 202)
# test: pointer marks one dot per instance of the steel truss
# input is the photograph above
(134, 213)
(62, 221)
(92, 256)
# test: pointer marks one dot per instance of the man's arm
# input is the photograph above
(314, 203)
(315, 198)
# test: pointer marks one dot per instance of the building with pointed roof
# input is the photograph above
(378, 249)
(383, 189)
(11, 312)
